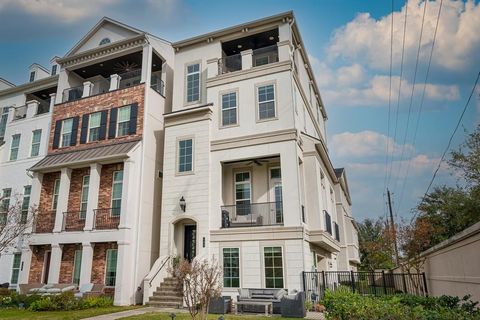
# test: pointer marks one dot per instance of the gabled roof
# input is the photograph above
(97, 27)
(39, 66)
(6, 82)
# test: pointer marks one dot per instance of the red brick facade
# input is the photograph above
(100, 260)
(67, 263)
(75, 193)
(37, 262)
(45, 220)
(105, 101)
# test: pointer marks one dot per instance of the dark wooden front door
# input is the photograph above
(190, 243)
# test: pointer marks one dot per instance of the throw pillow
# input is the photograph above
(244, 293)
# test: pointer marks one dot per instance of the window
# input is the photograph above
(32, 76)
(66, 136)
(104, 41)
(193, 82)
(27, 190)
(123, 122)
(14, 147)
(3, 122)
(77, 266)
(56, 192)
(117, 193)
(276, 196)
(5, 205)
(273, 267)
(185, 155)
(54, 70)
(36, 137)
(266, 102)
(328, 222)
(17, 257)
(337, 231)
(84, 197)
(94, 126)
(229, 109)
(243, 189)
(231, 268)
(111, 268)
(318, 111)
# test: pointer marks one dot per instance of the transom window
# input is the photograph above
(66, 136)
(243, 195)
(193, 82)
(27, 190)
(94, 126)
(266, 102)
(273, 267)
(36, 137)
(111, 268)
(117, 192)
(17, 257)
(231, 268)
(185, 155)
(104, 41)
(229, 109)
(15, 146)
(123, 122)
(84, 196)
(56, 192)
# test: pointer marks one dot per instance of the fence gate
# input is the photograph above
(364, 283)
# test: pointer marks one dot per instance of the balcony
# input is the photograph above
(252, 215)
(105, 219)
(230, 64)
(45, 222)
(43, 106)
(20, 113)
(73, 221)
(72, 94)
(265, 55)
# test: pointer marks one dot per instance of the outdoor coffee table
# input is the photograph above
(268, 306)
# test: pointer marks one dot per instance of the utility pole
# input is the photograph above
(397, 260)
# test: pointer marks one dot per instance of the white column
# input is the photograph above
(291, 187)
(25, 264)
(32, 107)
(62, 204)
(124, 290)
(212, 68)
(283, 51)
(285, 32)
(114, 82)
(146, 64)
(55, 262)
(87, 261)
(87, 89)
(247, 59)
(93, 191)
(53, 96)
(126, 215)
(34, 197)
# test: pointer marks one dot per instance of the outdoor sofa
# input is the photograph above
(293, 306)
(261, 295)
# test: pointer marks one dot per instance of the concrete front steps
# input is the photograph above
(168, 295)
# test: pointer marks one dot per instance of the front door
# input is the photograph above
(190, 242)
(46, 269)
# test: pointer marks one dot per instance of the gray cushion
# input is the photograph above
(54, 290)
(86, 287)
(279, 294)
(244, 293)
(262, 296)
(69, 288)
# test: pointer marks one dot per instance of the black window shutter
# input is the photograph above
(56, 134)
(73, 140)
(83, 133)
(103, 125)
(112, 125)
(133, 119)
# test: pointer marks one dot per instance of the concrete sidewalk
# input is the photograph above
(135, 312)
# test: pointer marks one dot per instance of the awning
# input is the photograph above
(76, 157)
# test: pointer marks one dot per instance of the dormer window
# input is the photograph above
(54, 70)
(32, 76)
(104, 41)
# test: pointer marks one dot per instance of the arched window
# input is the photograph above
(104, 41)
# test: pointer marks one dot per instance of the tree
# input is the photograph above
(201, 280)
(376, 245)
(14, 221)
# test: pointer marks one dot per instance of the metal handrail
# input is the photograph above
(65, 224)
(159, 269)
(109, 222)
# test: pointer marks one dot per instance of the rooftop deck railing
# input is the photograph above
(130, 78)
(265, 55)
(72, 94)
(230, 63)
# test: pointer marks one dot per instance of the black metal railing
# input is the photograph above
(230, 63)
(364, 283)
(44, 222)
(72, 94)
(73, 221)
(265, 55)
(130, 78)
(108, 218)
(159, 87)
(252, 215)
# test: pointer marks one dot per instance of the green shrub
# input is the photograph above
(95, 302)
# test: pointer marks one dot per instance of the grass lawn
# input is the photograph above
(186, 316)
(58, 315)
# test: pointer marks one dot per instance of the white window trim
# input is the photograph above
(118, 120)
(185, 99)
(240, 275)
(75, 263)
(262, 263)
(257, 102)
(177, 156)
(111, 197)
(81, 194)
(89, 127)
(19, 267)
(53, 193)
(17, 148)
(220, 99)
(39, 142)
(235, 172)
(60, 145)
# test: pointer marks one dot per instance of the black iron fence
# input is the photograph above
(364, 283)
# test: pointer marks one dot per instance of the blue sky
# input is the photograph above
(349, 46)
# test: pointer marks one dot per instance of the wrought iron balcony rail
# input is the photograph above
(108, 218)
(252, 215)
(44, 222)
(74, 220)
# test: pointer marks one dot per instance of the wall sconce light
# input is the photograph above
(183, 204)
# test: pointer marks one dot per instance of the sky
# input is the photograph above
(348, 42)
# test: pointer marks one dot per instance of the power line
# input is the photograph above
(449, 142)
(421, 103)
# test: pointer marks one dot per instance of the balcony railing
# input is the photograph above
(43, 106)
(252, 215)
(73, 221)
(108, 218)
(159, 87)
(230, 64)
(265, 55)
(44, 222)
(72, 94)
(130, 79)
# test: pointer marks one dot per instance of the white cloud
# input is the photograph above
(365, 144)
(367, 40)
